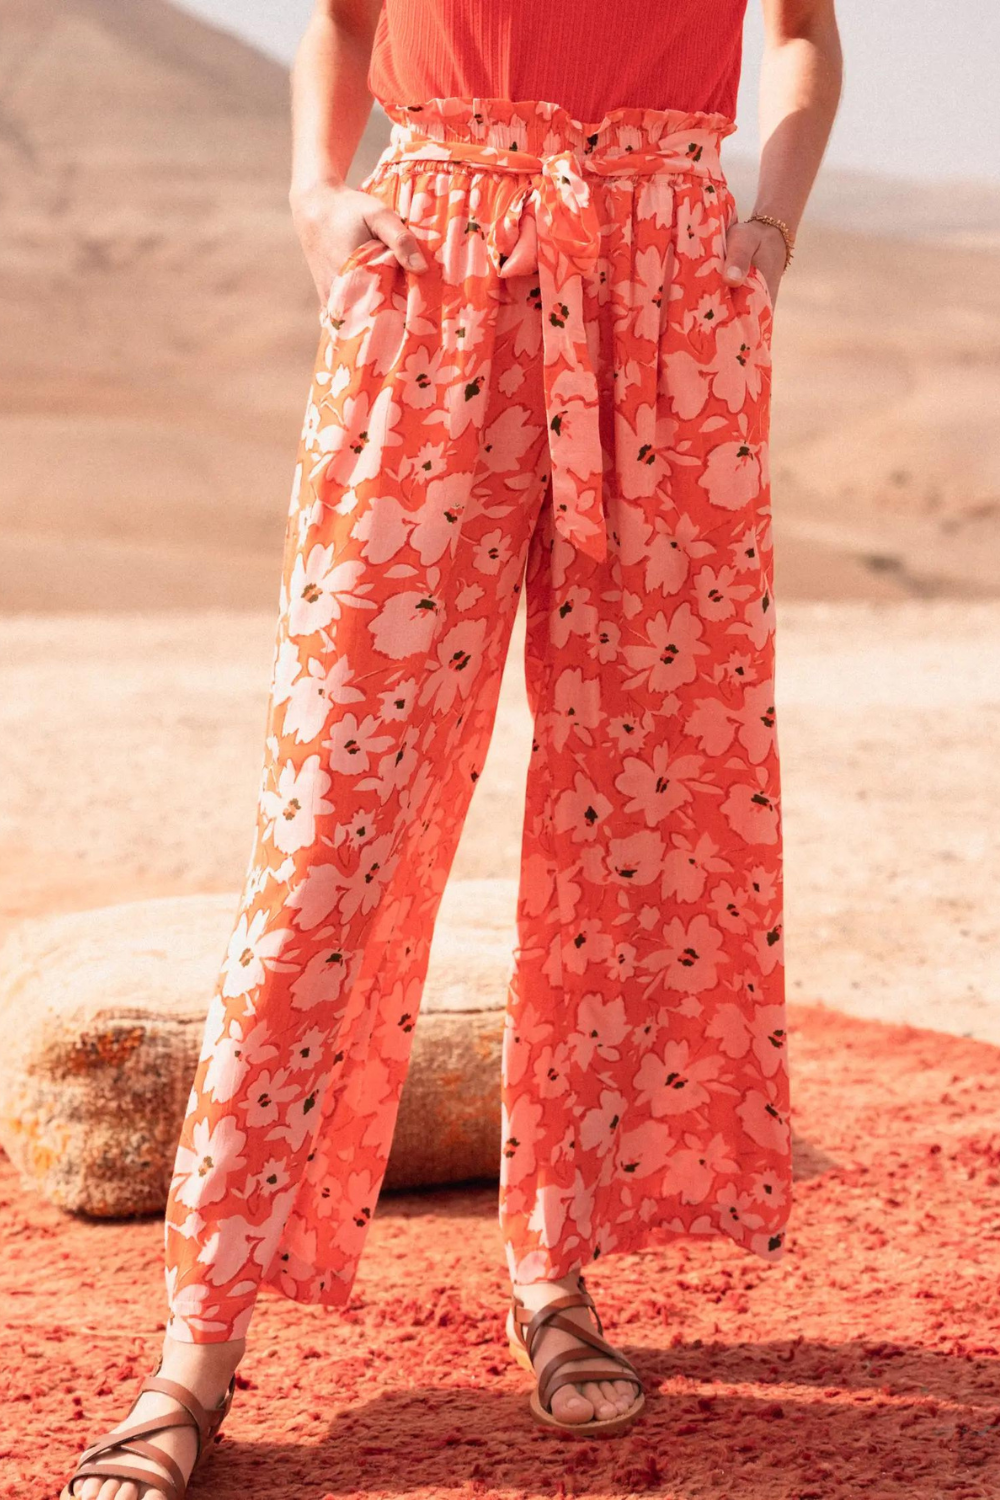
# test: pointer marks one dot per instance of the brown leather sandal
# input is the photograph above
(94, 1465)
(528, 1326)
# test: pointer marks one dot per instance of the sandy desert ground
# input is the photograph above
(159, 324)
(133, 749)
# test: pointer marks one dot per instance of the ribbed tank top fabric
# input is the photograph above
(588, 56)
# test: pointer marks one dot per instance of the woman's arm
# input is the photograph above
(330, 108)
(800, 84)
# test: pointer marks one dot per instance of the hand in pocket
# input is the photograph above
(754, 247)
(335, 223)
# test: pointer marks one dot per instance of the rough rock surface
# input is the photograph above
(101, 1014)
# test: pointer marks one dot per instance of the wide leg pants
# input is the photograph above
(569, 402)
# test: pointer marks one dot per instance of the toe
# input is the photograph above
(609, 1393)
(603, 1408)
(625, 1393)
(569, 1405)
(87, 1490)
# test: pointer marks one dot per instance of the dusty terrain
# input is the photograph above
(133, 747)
(864, 1363)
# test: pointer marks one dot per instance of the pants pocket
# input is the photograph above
(758, 275)
(359, 258)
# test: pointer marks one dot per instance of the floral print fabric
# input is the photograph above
(570, 403)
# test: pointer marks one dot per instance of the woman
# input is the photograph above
(544, 363)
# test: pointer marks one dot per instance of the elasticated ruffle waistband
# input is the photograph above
(538, 128)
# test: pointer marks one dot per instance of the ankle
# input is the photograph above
(534, 1293)
(206, 1369)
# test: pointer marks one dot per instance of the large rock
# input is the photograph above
(101, 1016)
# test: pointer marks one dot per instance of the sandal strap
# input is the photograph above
(549, 1381)
(528, 1323)
(112, 1470)
(578, 1377)
(582, 1336)
(551, 1314)
(125, 1435)
(527, 1320)
(552, 1377)
(180, 1393)
(131, 1440)
(94, 1462)
(588, 1299)
(162, 1460)
(219, 1414)
(620, 1370)
(524, 1314)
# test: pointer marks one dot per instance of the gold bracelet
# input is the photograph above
(779, 224)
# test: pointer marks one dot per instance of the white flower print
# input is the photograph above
(586, 436)
(292, 809)
(203, 1168)
(253, 950)
(319, 588)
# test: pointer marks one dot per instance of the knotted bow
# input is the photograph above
(551, 225)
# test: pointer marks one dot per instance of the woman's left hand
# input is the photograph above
(755, 244)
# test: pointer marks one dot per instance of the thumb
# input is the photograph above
(739, 255)
(388, 226)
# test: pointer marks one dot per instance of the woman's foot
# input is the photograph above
(583, 1400)
(206, 1370)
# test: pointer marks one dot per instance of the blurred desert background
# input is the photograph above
(158, 326)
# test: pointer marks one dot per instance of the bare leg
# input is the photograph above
(206, 1370)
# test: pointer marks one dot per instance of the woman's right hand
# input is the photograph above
(331, 222)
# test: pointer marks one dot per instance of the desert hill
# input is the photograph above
(158, 325)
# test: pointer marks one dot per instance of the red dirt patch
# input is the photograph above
(866, 1362)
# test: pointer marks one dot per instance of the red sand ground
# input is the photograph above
(866, 1363)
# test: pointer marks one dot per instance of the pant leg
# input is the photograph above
(421, 466)
(645, 1088)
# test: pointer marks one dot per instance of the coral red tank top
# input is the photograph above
(585, 55)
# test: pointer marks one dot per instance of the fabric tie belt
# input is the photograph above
(552, 225)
